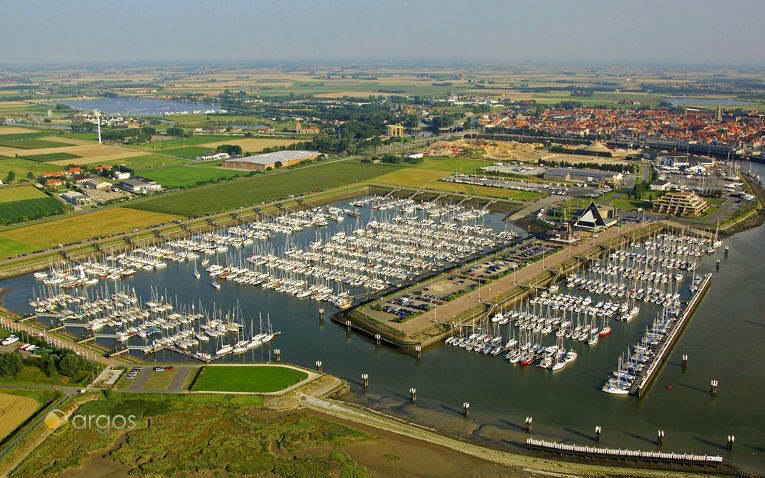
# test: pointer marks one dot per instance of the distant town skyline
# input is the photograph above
(681, 32)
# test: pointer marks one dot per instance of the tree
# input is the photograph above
(10, 364)
(11, 176)
(278, 164)
(70, 363)
(30, 175)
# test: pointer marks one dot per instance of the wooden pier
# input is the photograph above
(644, 380)
(624, 454)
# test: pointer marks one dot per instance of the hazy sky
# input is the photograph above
(640, 31)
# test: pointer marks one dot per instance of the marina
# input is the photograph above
(498, 391)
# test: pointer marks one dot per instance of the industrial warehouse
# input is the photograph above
(261, 162)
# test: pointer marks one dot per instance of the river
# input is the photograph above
(723, 341)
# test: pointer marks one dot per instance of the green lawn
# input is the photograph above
(187, 151)
(250, 191)
(41, 158)
(159, 380)
(630, 204)
(30, 374)
(259, 379)
(176, 176)
(20, 193)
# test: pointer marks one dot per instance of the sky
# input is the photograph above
(679, 32)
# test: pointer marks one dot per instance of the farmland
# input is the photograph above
(25, 203)
(42, 158)
(29, 143)
(184, 176)
(76, 228)
(263, 187)
(259, 379)
(148, 161)
(254, 145)
(187, 151)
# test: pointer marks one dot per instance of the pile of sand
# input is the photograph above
(490, 149)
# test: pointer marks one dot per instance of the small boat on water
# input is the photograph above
(216, 285)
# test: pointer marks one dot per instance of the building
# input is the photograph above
(394, 130)
(80, 178)
(307, 129)
(121, 175)
(595, 219)
(680, 202)
(53, 182)
(261, 162)
(583, 175)
(139, 185)
(213, 156)
(75, 198)
(96, 184)
(661, 186)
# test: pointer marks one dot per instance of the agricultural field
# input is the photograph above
(189, 152)
(176, 435)
(180, 142)
(18, 405)
(258, 379)
(42, 158)
(146, 161)
(25, 203)
(77, 228)
(254, 145)
(185, 176)
(250, 191)
(28, 142)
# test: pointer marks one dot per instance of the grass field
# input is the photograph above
(76, 228)
(271, 378)
(630, 204)
(20, 193)
(187, 151)
(28, 209)
(190, 141)
(22, 167)
(41, 158)
(263, 187)
(254, 145)
(30, 143)
(176, 176)
(148, 161)
(159, 380)
(26, 202)
(33, 375)
(183, 438)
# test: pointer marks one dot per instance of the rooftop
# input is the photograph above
(282, 156)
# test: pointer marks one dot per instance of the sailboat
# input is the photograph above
(196, 272)
(215, 284)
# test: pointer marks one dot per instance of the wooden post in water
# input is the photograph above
(731, 441)
(598, 430)
(378, 337)
(660, 438)
(466, 408)
(418, 350)
(321, 314)
(713, 386)
(529, 422)
(319, 366)
(685, 361)
(413, 394)
(365, 380)
(277, 355)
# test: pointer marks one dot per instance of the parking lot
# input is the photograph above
(435, 292)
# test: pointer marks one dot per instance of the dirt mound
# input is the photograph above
(488, 149)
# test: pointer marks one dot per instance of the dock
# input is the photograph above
(644, 380)
(624, 454)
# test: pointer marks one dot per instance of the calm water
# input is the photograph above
(723, 341)
(139, 106)
(706, 101)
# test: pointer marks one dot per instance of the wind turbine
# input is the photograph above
(98, 122)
